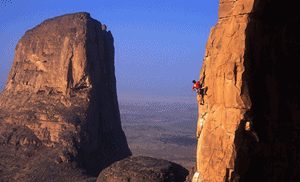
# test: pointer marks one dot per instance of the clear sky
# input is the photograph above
(159, 44)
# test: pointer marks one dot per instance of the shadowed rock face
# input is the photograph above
(61, 93)
(248, 127)
(272, 51)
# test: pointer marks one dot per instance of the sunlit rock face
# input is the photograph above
(61, 90)
(248, 126)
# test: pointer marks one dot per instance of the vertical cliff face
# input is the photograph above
(62, 89)
(248, 126)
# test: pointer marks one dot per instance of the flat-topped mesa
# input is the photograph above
(248, 125)
(62, 86)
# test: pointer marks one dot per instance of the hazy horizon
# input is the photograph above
(159, 48)
(159, 45)
(153, 127)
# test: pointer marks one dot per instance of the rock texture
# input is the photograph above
(61, 96)
(141, 168)
(248, 128)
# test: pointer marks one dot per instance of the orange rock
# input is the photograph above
(251, 109)
(62, 89)
(227, 100)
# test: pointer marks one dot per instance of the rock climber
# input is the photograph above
(196, 86)
(200, 90)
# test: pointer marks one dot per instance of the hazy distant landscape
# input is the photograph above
(161, 129)
(158, 48)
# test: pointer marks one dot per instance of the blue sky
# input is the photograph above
(159, 44)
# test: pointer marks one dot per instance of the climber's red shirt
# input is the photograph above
(196, 85)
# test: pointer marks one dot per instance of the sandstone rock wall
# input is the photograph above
(227, 101)
(62, 89)
(250, 100)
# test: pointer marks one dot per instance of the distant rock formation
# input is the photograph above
(60, 95)
(146, 169)
(251, 113)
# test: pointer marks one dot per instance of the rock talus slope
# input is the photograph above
(61, 94)
(248, 125)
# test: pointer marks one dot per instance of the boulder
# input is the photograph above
(61, 94)
(142, 168)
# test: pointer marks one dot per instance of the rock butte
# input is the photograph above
(251, 111)
(51, 111)
(60, 96)
(59, 114)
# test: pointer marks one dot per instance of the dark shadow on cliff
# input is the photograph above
(271, 63)
(104, 140)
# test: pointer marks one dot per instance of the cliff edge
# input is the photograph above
(248, 126)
